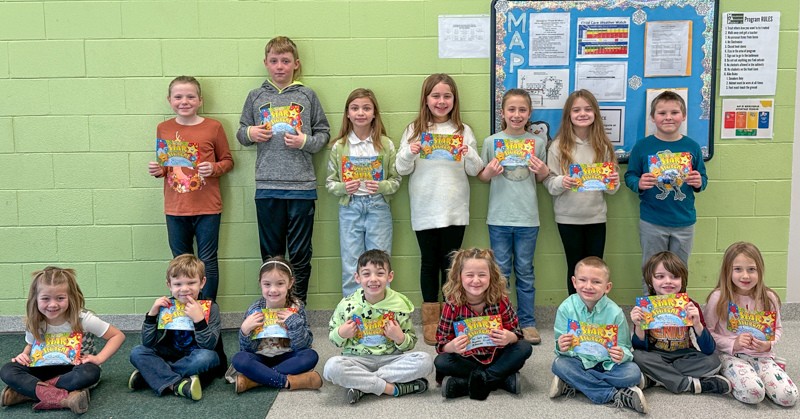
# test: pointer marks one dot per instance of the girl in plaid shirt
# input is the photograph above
(476, 290)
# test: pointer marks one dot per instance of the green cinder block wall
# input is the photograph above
(83, 85)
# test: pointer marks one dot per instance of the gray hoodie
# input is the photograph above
(278, 166)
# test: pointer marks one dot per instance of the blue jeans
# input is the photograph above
(655, 238)
(364, 224)
(181, 232)
(160, 373)
(596, 383)
(272, 370)
(288, 223)
(519, 243)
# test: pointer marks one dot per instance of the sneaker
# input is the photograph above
(645, 382)
(559, 388)
(189, 388)
(632, 398)
(411, 387)
(530, 334)
(716, 384)
(454, 387)
(512, 384)
(354, 395)
(136, 381)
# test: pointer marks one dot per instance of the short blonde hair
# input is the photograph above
(280, 45)
(594, 262)
(187, 265)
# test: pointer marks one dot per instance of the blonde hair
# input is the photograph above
(594, 262)
(377, 125)
(278, 263)
(523, 94)
(36, 322)
(425, 118)
(184, 80)
(603, 150)
(672, 263)
(187, 265)
(280, 45)
(453, 289)
(760, 292)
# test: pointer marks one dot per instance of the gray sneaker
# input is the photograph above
(631, 398)
(353, 395)
(559, 388)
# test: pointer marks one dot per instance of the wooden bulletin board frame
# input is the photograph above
(604, 46)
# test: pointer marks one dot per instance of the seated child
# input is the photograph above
(681, 359)
(476, 288)
(602, 378)
(172, 360)
(282, 362)
(373, 327)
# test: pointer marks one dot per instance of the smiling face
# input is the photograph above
(185, 100)
(361, 112)
(668, 117)
(281, 68)
(275, 286)
(516, 113)
(744, 274)
(591, 284)
(182, 286)
(53, 302)
(440, 102)
(665, 282)
(581, 114)
(475, 277)
(373, 279)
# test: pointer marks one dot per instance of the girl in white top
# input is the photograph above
(438, 189)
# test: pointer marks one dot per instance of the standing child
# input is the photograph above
(365, 219)
(282, 362)
(600, 377)
(192, 199)
(55, 307)
(286, 121)
(580, 216)
(681, 359)
(666, 224)
(513, 217)
(476, 288)
(173, 360)
(748, 361)
(373, 328)
(438, 190)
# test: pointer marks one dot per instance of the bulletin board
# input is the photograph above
(624, 51)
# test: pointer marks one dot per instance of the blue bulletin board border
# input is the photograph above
(511, 39)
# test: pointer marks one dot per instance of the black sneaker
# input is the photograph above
(353, 395)
(136, 381)
(559, 388)
(632, 398)
(645, 382)
(411, 387)
(512, 384)
(716, 384)
(454, 387)
(189, 388)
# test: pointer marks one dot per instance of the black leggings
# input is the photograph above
(435, 246)
(580, 241)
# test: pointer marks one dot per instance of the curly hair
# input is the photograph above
(454, 291)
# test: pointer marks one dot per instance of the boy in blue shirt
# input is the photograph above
(666, 223)
(601, 378)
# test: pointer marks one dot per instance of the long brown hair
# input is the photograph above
(760, 292)
(36, 322)
(453, 290)
(278, 263)
(603, 150)
(378, 129)
(425, 118)
(672, 263)
(523, 94)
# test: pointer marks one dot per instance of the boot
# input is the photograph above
(243, 383)
(309, 380)
(430, 321)
(11, 397)
(57, 398)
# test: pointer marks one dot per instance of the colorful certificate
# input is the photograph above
(478, 329)
(664, 310)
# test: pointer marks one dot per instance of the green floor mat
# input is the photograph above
(112, 398)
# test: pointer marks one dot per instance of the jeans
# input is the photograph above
(507, 361)
(182, 230)
(435, 246)
(580, 241)
(519, 243)
(160, 373)
(271, 371)
(364, 224)
(288, 223)
(595, 383)
(655, 238)
(23, 378)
